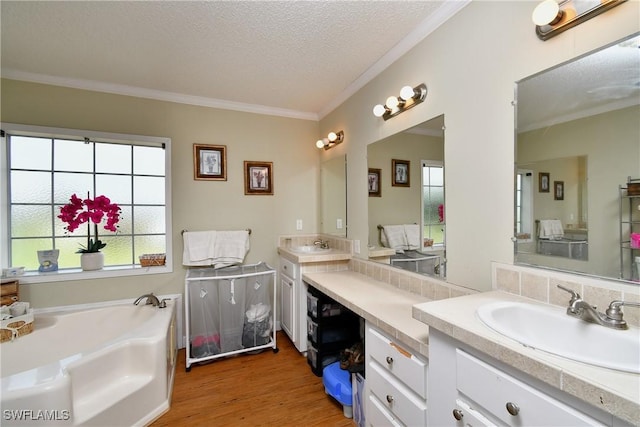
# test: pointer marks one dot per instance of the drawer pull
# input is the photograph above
(389, 360)
(457, 414)
(389, 398)
(512, 408)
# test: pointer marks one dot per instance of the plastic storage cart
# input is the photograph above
(229, 311)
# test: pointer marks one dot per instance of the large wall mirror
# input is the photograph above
(577, 144)
(333, 193)
(406, 199)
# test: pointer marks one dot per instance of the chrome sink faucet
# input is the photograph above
(151, 299)
(323, 244)
(611, 318)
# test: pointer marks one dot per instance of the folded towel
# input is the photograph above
(230, 248)
(550, 229)
(412, 231)
(198, 247)
(396, 237)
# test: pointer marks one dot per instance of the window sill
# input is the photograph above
(77, 274)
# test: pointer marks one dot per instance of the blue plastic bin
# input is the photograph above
(337, 384)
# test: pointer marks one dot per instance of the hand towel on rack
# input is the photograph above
(412, 232)
(395, 237)
(230, 248)
(199, 248)
(551, 229)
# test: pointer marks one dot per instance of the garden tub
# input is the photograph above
(110, 366)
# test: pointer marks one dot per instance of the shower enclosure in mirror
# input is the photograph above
(407, 223)
(577, 130)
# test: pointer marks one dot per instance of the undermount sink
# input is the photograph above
(550, 329)
(310, 249)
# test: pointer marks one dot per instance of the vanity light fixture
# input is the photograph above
(552, 17)
(333, 139)
(394, 105)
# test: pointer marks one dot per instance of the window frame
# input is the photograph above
(436, 246)
(61, 133)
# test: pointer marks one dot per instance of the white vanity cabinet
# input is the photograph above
(467, 388)
(293, 303)
(396, 382)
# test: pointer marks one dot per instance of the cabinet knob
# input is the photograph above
(457, 414)
(389, 360)
(389, 398)
(512, 408)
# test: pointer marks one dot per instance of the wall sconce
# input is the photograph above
(333, 139)
(409, 98)
(555, 16)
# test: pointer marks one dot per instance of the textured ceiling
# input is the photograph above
(297, 58)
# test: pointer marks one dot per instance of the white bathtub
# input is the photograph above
(108, 366)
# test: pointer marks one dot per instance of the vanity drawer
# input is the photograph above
(398, 361)
(475, 377)
(377, 414)
(396, 397)
(288, 268)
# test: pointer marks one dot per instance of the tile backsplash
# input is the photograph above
(542, 285)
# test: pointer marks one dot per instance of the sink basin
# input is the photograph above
(310, 249)
(550, 329)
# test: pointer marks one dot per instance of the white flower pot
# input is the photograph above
(92, 261)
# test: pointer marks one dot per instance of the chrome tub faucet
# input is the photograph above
(611, 318)
(322, 244)
(151, 299)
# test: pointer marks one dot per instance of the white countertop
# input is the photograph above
(383, 305)
(301, 257)
(616, 392)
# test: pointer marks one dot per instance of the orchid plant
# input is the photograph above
(79, 211)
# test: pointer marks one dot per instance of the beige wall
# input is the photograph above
(470, 65)
(197, 205)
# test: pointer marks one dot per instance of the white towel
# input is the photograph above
(396, 238)
(198, 247)
(412, 231)
(550, 229)
(230, 248)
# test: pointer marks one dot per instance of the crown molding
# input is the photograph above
(118, 89)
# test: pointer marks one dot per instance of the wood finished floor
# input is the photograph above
(266, 389)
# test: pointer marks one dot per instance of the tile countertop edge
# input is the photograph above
(571, 377)
(406, 329)
(301, 258)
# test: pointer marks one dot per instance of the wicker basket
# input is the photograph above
(16, 327)
(152, 260)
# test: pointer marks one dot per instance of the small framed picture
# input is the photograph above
(373, 181)
(400, 177)
(210, 162)
(543, 182)
(258, 178)
(558, 190)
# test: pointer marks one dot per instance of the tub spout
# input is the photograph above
(151, 299)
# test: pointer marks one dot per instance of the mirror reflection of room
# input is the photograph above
(578, 142)
(413, 237)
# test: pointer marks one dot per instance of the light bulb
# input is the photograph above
(392, 102)
(379, 110)
(407, 93)
(546, 13)
(320, 143)
(332, 136)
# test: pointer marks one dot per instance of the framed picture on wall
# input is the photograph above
(258, 178)
(373, 181)
(210, 162)
(543, 182)
(558, 190)
(400, 177)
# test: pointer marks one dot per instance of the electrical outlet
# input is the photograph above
(298, 224)
(339, 223)
(356, 246)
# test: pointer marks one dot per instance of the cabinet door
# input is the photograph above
(287, 316)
